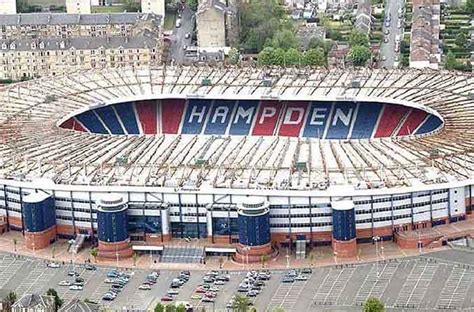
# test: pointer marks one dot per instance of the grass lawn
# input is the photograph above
(170, 18)
(107, 9)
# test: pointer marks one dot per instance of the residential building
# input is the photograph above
(7, 6)
(425, 50)
(363, 22)
(216, 23)
(78, 6)
(27, 58)
(34, 303)
(62, 25)
(153, 6)
(76, 305)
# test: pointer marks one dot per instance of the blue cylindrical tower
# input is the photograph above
(254, 230)
(112, 226)
(39, 220)
(254, 222)
(344, 228)
(38, 212)
(112, 219)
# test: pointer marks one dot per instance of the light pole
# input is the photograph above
(247, 250)
(419, 237)
(376, 239)
(287, 259)
(117, 255)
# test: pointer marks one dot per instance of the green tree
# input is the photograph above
(170, 308)
(451, 62)
(358, 38)
(315, 57)
(359, 55)
(334, 34)
(159, 307)
(234, 56)
(8, 301)
(279, 57)
(284, 39)
(470, 6)
(181, 308)
(94, 253)
(192, 4)
(58, 302)
(405, 60)
(461, 40)
(278, 310)
(259, 21)
(293, 57)
(241, 303)
(266, 56)
(131, 6)
(373, 305)
(325, 45)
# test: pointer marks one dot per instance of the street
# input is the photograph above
(178, 38)
(387, 49)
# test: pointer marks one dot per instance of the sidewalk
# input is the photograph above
(318, 257)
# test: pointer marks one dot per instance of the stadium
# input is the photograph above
(252, 159)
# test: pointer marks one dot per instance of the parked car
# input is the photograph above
(196, 297)
(109, 281)
(288, 279)
(144, 287)
(75, 287)
(307, 271)
(208, 299)
(301, 278)
(73, 273)
(219, 282)
(53, 265)
(172, 291)
(252, 293)
(64, 283)
(90, 267)
(166, 298)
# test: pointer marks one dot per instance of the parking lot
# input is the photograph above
(423, 283)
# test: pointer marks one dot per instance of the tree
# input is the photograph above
(170, 308)
(94, 253)
(470, 6)
(461, 40)
(373, 305)
(278, 310)
(265, 57)
(241, 303)
(159, 307)
(451, 62)
(180, 308)
(131, 6)
(358, 38)
(259, 21)
(293, 57)
(234, 56)
(315, 57)
(193, 4)
(333, 34)
(325, 45)
(284, 39)
(8, 301)
(359, 55)
(279, 56)
(58, 302)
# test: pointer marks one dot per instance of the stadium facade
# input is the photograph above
(256, 158)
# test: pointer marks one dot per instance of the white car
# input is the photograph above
(109, 280)
(64, 283)
(75, 287)
(144, 287)
(53, 265)
(219, 283)
(301, 278)
(172, 291)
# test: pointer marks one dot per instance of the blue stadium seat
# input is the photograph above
(219, 117)
(366, 120)
(243, 118)
(127, 116)
(431, 124)
(108, 116)
(341, 119)
(91, 122)
(195, 116)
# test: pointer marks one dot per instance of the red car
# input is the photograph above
(200, 290)
(211, 294)
(166, 298)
